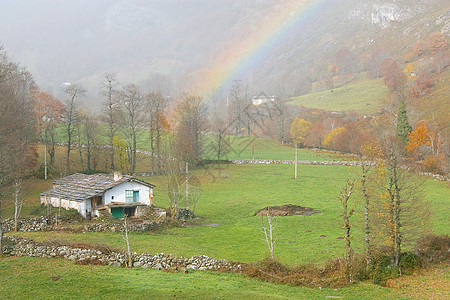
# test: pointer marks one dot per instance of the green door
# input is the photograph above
(117, 212)
(135, 196)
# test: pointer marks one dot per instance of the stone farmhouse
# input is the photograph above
(93, 194)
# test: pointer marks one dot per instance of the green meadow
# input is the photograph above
(38, 278)
(364, 97)
(227, 229)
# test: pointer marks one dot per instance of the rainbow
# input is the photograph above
(240, 56)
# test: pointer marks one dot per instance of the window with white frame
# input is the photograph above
(128, 196)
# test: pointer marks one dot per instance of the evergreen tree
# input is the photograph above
(403, 127)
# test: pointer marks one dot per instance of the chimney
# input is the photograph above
(117, 176)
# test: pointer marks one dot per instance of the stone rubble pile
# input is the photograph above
(17, 246)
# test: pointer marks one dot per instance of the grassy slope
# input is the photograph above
(364, 97)
(435, 105)
(232, 195)
(32, 280)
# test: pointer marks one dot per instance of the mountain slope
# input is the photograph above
(154, 41)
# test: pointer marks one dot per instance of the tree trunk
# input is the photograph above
(366, 215)
(68, 153)
(111, 153)
(152, 149)
(1, 230)
(127, 242)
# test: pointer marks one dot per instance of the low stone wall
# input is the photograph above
(25, 247)
(41, 224)
(117, 227)
(300, 162)
(352, 163)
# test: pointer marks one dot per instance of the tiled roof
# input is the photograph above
(79, 187)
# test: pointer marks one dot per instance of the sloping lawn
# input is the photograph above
(364, 97)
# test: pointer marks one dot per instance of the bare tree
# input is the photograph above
(196, 191)
(372, 159)
(110, 107)
(269, 231)
(132, 118)
(16, 126)
(157, 122)
(18, 201)
(73, 92)
(191, 119)
(175, 185)
(90, 132)
(347, 213)
(219, 143)
(236, 105)
(48, 112)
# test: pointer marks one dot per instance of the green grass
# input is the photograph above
(241, 148)
(363, 97)
(233, 194)
(31, 278)
(264, 148)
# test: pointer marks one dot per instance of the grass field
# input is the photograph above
(363, 97)
(233, 194)
(264, 148)
(39, 278)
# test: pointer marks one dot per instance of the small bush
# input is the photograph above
(433, 249)
(52, 172)
(66, 214)
(304, 275)
(409, 262)
(435, 164)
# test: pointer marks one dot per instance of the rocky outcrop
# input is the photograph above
(17, 246)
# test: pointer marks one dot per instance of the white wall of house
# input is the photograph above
(80, 206)
(117, 193)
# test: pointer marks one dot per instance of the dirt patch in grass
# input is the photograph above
(287, 210)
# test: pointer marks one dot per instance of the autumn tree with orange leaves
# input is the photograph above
(420, 136)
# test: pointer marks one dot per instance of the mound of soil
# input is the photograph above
(287, 210)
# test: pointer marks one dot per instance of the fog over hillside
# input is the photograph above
(173, 43)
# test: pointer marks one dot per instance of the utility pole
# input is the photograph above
(187, 186)
(295, 163)
(253, 145)
(45, 155)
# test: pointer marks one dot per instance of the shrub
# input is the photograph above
(433, 249)
(409, 262)
(331, 275)
(66, 214)
(434, 164)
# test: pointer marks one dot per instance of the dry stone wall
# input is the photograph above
(42, 224)
(17, 246)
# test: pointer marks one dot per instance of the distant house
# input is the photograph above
(90, 194)
(262, 98)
